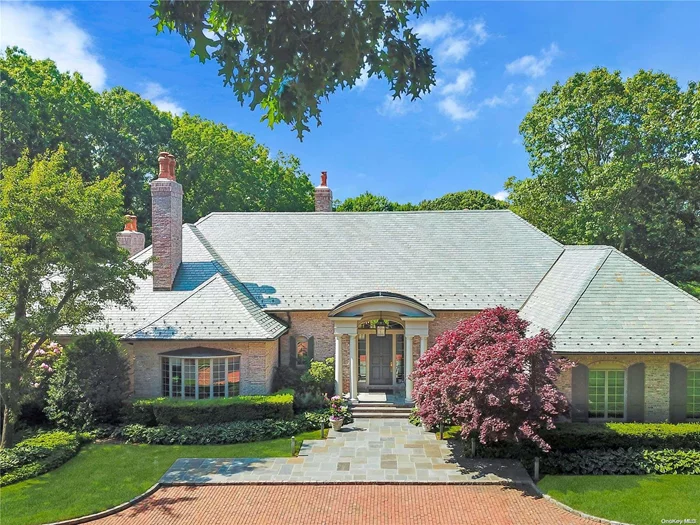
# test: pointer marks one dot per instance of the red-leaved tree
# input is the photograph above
(488, 377)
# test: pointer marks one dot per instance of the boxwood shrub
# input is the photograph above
(37, 455)
(166, 411)
(222, 433)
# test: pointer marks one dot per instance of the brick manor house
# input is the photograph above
(235, 295)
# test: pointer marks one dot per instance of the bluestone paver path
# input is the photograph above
(369, 450)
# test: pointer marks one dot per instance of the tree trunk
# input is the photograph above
(8, 429)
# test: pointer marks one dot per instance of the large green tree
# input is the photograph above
(370, 202)
(222, 170)
(59, 261)
(284, 57)
(464, 200)
(617, 161)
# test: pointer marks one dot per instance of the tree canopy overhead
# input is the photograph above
(119, 131)
(284, 57)
(617, 161)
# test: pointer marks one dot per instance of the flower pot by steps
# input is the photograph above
(337, 424)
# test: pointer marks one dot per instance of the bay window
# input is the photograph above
(200, 373)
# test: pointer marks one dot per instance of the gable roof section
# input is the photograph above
(463, 260)
(596, 299)
(206, 303)
(213, 311)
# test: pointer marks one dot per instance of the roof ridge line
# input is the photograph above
(233, 282)
(533, 227)
(527, 299)
(588, 284)
(663, 279)
(184, 300)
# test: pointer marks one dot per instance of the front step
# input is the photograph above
(380, 411)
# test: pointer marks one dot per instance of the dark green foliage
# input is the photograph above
(622, 461)
(165, 411)
(464, 200)
(284, 57)
(309, 401)
(37, 455)
(225, 433)
(91, 383)
(370, 202)
(287, 377)
(612, 448)
(629, 175)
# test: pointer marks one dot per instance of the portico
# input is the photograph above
(382, 328)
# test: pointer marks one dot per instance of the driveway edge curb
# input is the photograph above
(109, 512)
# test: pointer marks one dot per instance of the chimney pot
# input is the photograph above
(323, 196)
(131, 239)
(131, 225)
(164, 165)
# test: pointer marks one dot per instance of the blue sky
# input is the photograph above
(493, 58)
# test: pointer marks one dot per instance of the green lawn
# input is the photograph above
(103, 476)
(640, 500)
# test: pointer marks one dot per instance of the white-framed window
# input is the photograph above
(200, 377)
(606, 394)
(693, 396)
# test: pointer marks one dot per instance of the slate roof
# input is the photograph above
(239, 269)
(207, 303)
(596, 299)
(459, 260)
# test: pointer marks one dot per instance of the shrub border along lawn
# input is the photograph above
(38, 454)
(167, 411)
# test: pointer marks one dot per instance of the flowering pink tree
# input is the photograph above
(488, 377)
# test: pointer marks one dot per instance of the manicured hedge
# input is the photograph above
(622, 461)
(166, 411)
(224, 433)
(611, 448)
(37, 455)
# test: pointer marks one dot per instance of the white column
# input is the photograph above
(409, 366)
(423, 344)
(353, 367)
(338, 365)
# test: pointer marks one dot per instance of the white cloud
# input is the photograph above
(362, 82)
(478, 30)
(508, 98)
(501, 195)
(533, 66)
(455, 110)
(452, 50)
(530, 92)
(462, 84)
(396, 107)
(160, 97)
(432, 30)
(51, 33)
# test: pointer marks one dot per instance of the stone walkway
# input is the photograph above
(369, 450)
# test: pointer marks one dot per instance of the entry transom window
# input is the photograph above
(201, 377)
(606, 394)
(693, 385)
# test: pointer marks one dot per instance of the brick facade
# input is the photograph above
(656, 377)
(258, 361)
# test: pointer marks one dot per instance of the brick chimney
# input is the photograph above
(323, 196)
(166, 196)
(131, 239)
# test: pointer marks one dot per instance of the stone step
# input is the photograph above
(379, 415)
(365, 408)
(379, 404)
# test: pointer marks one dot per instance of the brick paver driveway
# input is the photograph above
(289, 504)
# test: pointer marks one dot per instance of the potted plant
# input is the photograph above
(337, 411)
